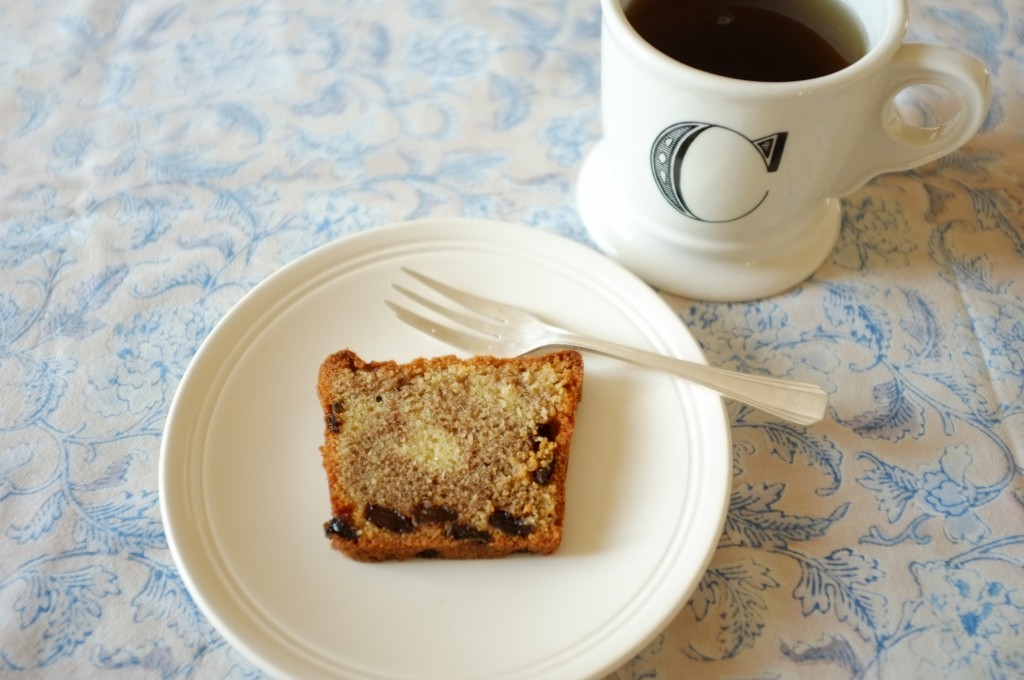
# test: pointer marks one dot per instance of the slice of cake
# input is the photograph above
(445, 457)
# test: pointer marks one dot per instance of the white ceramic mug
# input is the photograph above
(723, 189)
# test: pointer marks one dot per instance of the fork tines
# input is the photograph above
(481, 321)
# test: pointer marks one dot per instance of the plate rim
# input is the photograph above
(355, 247)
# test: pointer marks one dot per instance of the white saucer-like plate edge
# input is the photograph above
(243, 496)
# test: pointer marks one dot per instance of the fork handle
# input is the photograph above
(798, 402)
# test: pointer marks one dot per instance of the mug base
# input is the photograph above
(715, 274)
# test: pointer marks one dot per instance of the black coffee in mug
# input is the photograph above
(766, 40)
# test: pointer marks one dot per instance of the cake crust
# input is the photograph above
(447, 457)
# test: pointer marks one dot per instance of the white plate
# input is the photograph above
(244, 498)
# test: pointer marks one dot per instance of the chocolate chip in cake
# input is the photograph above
(340, 526)
(429, 554)
(542, 475)
(428, 513)
(389, 519)
(334, 419)
(509, 523)
(464, 532)
(548, 430)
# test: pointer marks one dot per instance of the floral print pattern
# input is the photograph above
(160, 159)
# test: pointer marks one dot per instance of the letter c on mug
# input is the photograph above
(712, 173)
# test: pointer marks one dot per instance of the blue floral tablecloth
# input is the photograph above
(159, 159)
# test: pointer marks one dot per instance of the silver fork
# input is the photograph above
(504, 330)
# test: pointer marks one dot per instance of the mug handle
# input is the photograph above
(893, 144)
